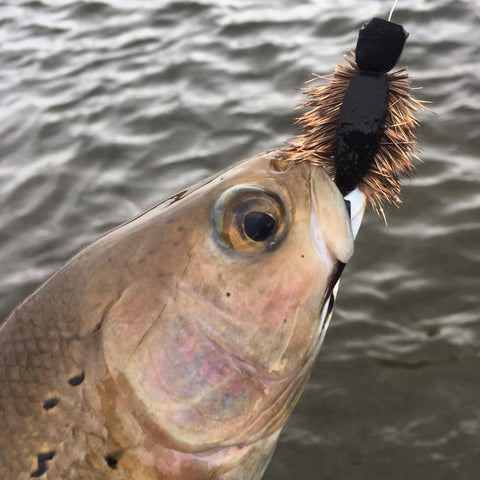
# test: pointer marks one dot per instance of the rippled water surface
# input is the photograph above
(108, 106)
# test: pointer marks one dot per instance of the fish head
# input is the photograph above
(214, 335)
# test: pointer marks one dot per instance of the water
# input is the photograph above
(106, 107)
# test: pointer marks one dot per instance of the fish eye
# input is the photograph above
(249, 219)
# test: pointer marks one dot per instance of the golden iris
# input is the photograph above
(249, 219)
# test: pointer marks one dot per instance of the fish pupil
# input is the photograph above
(258, 225)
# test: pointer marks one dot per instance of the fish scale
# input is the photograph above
(37, 362)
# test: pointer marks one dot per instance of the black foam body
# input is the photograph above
(361, 123)
(379, 46)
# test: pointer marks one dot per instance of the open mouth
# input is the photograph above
(355, 202)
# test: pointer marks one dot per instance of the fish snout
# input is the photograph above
(334, 220)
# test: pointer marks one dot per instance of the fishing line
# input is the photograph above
(391, 11)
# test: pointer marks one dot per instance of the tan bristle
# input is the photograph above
(394, 156)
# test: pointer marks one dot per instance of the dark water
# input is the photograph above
(108, 106)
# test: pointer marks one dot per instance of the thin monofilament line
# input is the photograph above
(391, 11)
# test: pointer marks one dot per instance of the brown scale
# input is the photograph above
(396, 150)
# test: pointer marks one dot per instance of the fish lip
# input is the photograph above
(330, 220)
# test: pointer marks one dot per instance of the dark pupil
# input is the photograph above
(258, 225)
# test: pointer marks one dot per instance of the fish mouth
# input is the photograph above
(330, 220)
(333, 230)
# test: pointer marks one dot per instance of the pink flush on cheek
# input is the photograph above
(190, 347)
(213, 363)
(215, 367)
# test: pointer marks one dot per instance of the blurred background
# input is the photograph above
(108, 106)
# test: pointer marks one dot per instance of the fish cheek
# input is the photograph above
(128, 321)
(162, 366)
(266, 306)
(131, 336)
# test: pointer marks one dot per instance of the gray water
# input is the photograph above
(108, 106)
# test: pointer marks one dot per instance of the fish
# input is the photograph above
(177, 345)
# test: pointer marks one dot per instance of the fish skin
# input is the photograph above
(158, 352)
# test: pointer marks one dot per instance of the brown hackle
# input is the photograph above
(395, 153)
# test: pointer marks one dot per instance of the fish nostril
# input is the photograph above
(112, 462)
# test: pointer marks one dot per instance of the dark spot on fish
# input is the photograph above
(175, 198)
(303, 256)
(112, 462)
(77, 379)
(284, 321)
(228, 294)
(42, 459)
(50, 403)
